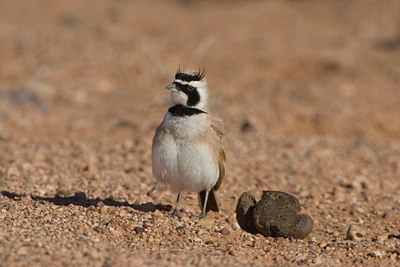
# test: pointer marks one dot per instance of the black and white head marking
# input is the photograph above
(189, 89)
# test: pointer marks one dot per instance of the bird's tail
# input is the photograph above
(212, 203)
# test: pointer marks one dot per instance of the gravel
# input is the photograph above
(308, 94)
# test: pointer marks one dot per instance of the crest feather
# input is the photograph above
(190, 76)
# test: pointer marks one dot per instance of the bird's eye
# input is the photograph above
(191, 88)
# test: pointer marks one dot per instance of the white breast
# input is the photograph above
(186, 128)
(179, 159)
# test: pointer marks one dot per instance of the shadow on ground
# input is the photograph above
(80, 199)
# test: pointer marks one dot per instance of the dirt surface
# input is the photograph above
(309, 92)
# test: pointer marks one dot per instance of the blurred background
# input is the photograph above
(82, 88)
(309, 92)
(285, 67)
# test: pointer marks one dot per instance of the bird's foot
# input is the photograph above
(201, 215)
(176, 213)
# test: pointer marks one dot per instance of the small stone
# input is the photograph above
(336, 233)
(231, 252)
(180, 229)
(100, 204)
(166, 232)
(197, 240)
(138, 230)
(225, 231)
(355, 233)
(396, 250)
(247, 126)
(200, 232)
(380, 239)
(360, 182)
(323, 245)
(301, 257)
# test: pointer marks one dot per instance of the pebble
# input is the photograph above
(180, 229)
(225, 231)
(323, 245)
(247, 126)
(209, 242)
(396, 250)
(200, 232)
(231, 252)
(197, 240)
(166, 232)
(138, 230)
(301, 257)
(380, 239)
(355, 233)
(236, 226)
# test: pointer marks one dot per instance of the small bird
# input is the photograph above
(187, 150)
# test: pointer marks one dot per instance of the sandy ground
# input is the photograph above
(309, 92)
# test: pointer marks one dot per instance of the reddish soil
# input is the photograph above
(309, 92)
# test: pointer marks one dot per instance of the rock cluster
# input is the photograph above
(276, 214)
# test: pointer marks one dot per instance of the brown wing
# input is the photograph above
(218, 126)
(216, 138)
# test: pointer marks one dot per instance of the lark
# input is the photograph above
(187, 152)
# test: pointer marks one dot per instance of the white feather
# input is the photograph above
(180, 161)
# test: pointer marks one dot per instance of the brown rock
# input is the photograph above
(277, 215)
(244, 212)
(355, 233)
(138, 230)
(225, 231)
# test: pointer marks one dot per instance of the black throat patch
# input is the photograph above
(182, 111)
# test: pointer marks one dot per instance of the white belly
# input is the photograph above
(184, 166)
(164, 158)
(197, 170)
(182, 162)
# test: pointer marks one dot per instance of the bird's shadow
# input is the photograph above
(80, 199)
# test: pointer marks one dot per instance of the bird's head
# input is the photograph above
(189, 89)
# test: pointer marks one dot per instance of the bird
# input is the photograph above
(187, 151)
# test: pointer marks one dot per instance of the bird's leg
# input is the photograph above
(203, 213)
(175, 212)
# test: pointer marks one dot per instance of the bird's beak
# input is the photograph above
(171, 87)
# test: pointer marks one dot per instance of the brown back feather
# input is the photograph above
(218, 126)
